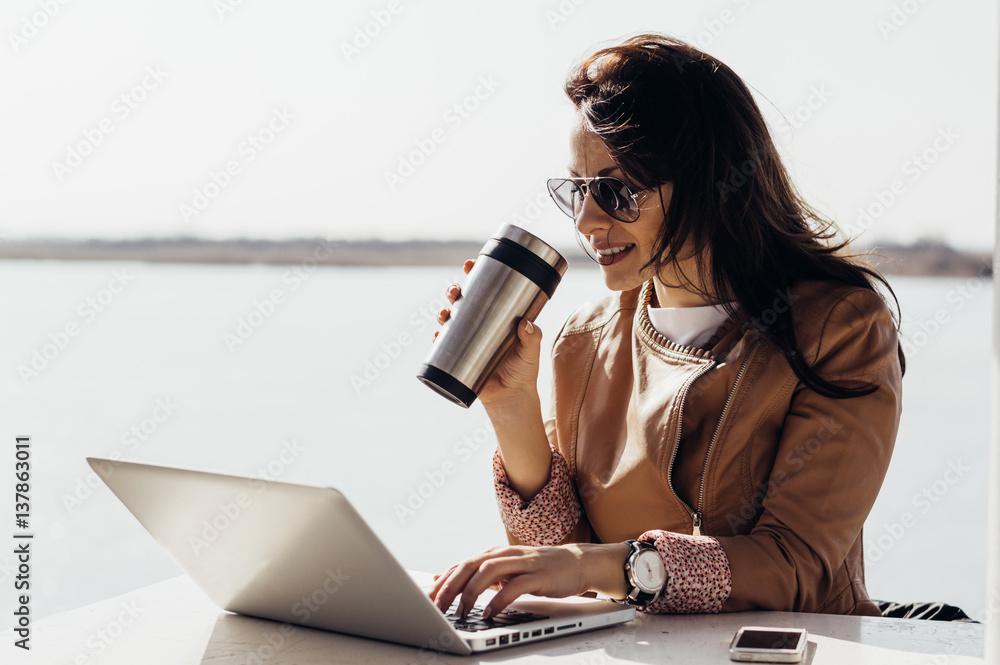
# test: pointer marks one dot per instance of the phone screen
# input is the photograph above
(768, 639)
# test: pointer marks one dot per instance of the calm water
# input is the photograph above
(309, 377)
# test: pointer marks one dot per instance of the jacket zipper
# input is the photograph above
(697, 515)
(696, 518)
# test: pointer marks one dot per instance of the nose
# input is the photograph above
(592, 217)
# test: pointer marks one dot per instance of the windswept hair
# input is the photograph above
(669, 113)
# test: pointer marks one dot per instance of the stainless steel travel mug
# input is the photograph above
(515, 275)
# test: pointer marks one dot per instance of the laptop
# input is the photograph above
(302, 554)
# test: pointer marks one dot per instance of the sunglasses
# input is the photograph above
(611, 194)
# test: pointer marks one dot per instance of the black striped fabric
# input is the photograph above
(926, 611)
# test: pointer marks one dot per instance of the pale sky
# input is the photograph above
(119, 116)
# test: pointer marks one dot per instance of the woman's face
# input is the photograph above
(624, 248)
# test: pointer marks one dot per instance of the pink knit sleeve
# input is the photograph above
(698, 577)
(550, 516)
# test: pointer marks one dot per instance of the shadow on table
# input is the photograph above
(650, 640)
(810, 652)
(244, 640)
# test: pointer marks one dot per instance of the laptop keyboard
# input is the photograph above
(474, 622)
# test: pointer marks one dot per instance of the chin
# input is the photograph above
(618, 282)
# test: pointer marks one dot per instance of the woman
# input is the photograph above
(731, 409)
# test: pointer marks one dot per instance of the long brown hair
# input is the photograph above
(668, 112)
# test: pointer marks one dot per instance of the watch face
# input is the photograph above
(648, 571)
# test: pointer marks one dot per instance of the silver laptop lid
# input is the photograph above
(280, 551)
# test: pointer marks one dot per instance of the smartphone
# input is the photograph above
(761, 644)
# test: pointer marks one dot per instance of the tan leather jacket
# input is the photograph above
(726, 441)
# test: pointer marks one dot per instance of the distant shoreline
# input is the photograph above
(922, 258)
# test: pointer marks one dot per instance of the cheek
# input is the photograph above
(647, 235)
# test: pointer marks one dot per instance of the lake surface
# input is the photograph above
(308, 376)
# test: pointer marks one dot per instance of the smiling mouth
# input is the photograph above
(606, 257)
(611, 251)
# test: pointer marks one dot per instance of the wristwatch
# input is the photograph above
(645, 575)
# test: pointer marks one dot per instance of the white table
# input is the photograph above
(173, 623)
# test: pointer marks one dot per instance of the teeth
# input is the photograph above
(614, 250)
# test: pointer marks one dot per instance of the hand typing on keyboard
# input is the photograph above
(474, 620)
(555, 572)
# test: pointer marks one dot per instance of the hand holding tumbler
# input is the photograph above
(514, 276)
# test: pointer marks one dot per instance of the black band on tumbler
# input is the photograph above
(524, 261)
(446, 385)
